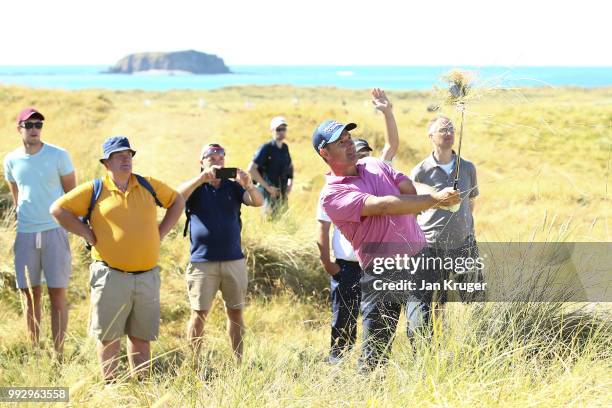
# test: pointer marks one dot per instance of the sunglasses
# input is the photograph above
(446, 130)
(30, 125)
(281, 129)
(212, 151)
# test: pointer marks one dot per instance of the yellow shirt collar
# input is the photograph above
(110, 184)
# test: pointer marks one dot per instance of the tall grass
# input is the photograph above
(541, 156)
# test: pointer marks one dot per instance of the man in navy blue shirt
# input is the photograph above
(217, 261)
(272, 168)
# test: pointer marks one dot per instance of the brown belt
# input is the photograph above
(120, 270)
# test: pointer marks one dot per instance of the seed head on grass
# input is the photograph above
(457, 89)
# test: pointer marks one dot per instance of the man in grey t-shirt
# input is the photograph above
(448, 234)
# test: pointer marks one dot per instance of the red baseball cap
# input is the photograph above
(28, 113)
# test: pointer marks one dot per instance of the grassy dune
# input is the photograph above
(543, 157)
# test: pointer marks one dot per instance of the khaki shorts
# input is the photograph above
(124, 303)
(204, 279)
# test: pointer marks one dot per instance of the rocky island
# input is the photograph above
(180, 62)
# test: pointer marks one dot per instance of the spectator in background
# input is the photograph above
(216, 261)
(37, 174)
(448, 234)
(125, 235)
(272, 169)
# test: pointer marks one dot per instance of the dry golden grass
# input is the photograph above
(543, 158)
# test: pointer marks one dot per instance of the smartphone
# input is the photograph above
(226, 173)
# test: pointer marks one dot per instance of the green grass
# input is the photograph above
(543, 162)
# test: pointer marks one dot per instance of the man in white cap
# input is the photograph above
(272, 168)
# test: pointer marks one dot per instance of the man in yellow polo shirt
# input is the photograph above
(125, 236)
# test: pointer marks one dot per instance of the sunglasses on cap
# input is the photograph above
(30, 125)
(213, 149)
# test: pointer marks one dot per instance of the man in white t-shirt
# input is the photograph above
(345, 271)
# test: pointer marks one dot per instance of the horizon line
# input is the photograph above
(348, 65)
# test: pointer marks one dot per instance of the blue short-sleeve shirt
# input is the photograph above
(215, 223)
(38, 181)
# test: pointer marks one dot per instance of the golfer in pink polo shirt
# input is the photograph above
(374, 207)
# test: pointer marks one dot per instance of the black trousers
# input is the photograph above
(345, 300)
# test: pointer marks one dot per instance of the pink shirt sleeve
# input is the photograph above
(395, 175)
(343, 205)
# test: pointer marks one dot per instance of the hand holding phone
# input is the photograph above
(226, 173)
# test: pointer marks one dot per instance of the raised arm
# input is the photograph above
(409, 203)
(407, 186)
(382, 103)
(423, 188)
(252, 196)
(189, 186)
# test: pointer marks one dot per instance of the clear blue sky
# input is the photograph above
(321, 32)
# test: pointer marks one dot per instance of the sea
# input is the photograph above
(350, 77)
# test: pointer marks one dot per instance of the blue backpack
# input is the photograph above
(97, 189)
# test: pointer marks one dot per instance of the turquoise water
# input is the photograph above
(353, 77)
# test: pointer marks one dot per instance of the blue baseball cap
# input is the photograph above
(328, 132)
(115, 144)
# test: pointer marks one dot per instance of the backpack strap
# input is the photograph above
(264, 150)
(187, 214)
(266, 153)
(143, 182)
(187, 221)
(95, 195)
(97, 190)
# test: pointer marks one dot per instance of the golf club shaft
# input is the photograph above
(456, 183)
